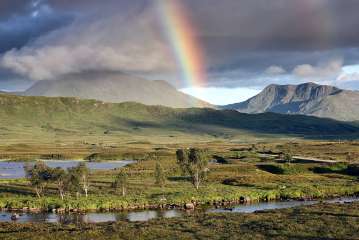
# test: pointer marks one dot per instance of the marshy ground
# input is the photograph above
(251, 171)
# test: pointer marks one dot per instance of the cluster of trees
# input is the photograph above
(121, 180)
(73, 180)
(193, 162)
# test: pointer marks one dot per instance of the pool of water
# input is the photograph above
(142, 216)
(11, 170)
(251, 208)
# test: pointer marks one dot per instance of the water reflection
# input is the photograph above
(141, 216)
(89, 217)
(251, 208)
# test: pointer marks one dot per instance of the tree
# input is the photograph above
(121, 181)
(38, 175)
(288, 157)
(59, 176)
(160, 175)
(84, 172)
(73, 181)
(182, 160)
(193, 162)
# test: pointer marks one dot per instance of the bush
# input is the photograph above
(353, 169)
(332, 168)
(282, 168)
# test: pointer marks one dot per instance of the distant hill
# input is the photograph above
(307, 99)
(79, 117)
(115, 88)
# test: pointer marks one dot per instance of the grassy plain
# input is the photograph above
(243, 172)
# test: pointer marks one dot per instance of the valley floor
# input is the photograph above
(254, 172)
(243, 173)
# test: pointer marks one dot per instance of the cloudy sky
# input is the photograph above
(247, 44)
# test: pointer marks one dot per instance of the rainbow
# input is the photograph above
(184, 43)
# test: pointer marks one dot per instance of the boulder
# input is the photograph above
(15, 216)
(189, 206)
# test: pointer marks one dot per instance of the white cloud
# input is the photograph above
(344, 77)
(349, 74)
(107, 44)
(275, 70)
(322, 71)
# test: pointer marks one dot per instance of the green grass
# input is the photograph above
(226, 182)
(48, 118)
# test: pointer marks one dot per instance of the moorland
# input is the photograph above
(251, 158)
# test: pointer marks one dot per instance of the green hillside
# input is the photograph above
(81, 117)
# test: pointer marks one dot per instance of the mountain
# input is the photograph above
(307, 99)
(115, 88)
(42, 115)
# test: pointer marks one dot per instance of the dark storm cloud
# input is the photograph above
(24, 21)
(242, 39)
(233, 30)
(278, 24)
(9, 8)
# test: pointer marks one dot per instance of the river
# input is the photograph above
(141, 216)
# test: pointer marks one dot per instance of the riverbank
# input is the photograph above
(63, 217)
(118, 204)
(320, 221)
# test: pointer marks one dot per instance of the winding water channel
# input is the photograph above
(142, 216)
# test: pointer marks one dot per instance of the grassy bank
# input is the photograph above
(322, 221)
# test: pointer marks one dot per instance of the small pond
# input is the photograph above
(13, 170)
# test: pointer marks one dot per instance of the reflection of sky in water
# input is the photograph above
(99, 217)
(16, 169)
(90, 217)
(171, 214)
(250, 208)
(152, 214)
(141, 216)
(266, 206)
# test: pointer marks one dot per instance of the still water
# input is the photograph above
(251, 208)
(142, 216)
(14, 170)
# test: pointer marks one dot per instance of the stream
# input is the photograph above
(142, 216)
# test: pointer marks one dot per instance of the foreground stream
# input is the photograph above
(142, 216)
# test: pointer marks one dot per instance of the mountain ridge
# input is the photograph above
(115, 88)
(306, 99)
(76, 116)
